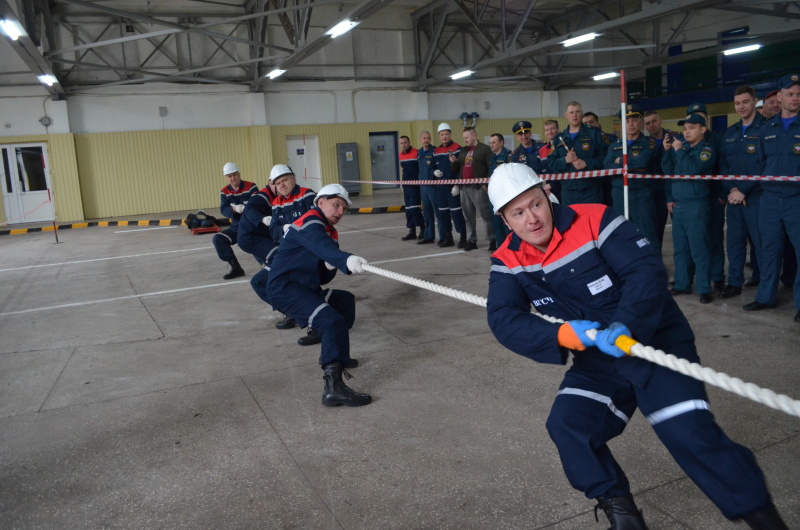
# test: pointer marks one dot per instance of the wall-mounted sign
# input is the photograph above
(349, 155)
(301, 152)
(381, 148)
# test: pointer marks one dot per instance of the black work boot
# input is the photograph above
(236, 270)
(447, 241)
(622, 513)
(462, 243)
(421, 232)
(310, 339)
(287, 323)
(766, 518)
(337, 393)
(412, 234)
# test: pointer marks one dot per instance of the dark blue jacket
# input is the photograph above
(498, 159)
(740, 156)
(589, 145)
(598, 266)
(780, 154)
(642, 159)
(258, 207)
(308, 244)
(409, 164)
(697, 160)
(426, 165)
(286, 210)
(531, 159)
(228, 197)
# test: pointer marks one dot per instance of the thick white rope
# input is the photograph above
(721, 380)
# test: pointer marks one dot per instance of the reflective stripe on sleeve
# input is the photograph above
(609, 229)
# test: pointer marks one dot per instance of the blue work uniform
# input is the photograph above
(716, 216)
(589, 145)
(500, 228)
(297, 275)
(779, 146)
(690, 215)
(599, 267)
(608, 195)
(642, 159)
(740, 157)
(659, 191)
(545, 148)
(223, 241)
(430, 208)
(412, 199)
(285, 210)
(449, 206)
(254, 235)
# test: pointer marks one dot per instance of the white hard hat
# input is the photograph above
(444, 127)
(509, 181)
(279, 170)
(760, 104)
(229, 168)
(333, 189)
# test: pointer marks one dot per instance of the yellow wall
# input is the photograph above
(330, 135)
(63, 173)
(144, 172)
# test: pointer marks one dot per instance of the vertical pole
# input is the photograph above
(53, 209)
(623, 112)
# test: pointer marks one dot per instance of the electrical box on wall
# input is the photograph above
(162, 111)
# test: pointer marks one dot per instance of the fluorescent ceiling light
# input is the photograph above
(606, 76)
(750, 48)
(341, 28)
(12, 29)
(461, 75)
(578, 40)
(47, 79)
(277, 72)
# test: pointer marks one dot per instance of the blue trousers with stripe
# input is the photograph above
(591, 408)
(223, 242)
(329, 311)
(412, 198)
(449, 208)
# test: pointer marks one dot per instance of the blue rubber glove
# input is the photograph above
(605, 339)
(572, 334)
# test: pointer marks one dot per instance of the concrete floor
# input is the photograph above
(140, 390)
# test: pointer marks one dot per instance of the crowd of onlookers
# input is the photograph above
(760, 214)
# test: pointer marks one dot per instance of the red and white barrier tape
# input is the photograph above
(581, 175)
(768, 178)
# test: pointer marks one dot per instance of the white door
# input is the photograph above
(304, 160)
(26, 179)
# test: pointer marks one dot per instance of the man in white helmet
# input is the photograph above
(306, 259)
(232, 200)
(449, 205)
(589, 266)
(289, 202)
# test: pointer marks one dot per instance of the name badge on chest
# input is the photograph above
(599, 285)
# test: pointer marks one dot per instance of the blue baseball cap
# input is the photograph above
(788, 80)
(693, 118)
(696, 107)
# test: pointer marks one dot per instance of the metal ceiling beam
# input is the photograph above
(30, 54)
(158, 22)
(661, 10)
(762, 12)
(361, 12)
